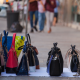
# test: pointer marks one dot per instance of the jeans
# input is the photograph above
(31, 17)
(41, 18)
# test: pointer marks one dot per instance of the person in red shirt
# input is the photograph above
(33, 10)
(50, 5)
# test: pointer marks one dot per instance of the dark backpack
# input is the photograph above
(55, 61)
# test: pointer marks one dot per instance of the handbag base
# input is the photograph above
(32, 68)
(22, 73)
(2, 68)
(11, 70)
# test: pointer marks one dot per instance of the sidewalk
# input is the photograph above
(65, 36)
(73, 25)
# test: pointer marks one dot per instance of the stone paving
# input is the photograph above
(65, 36)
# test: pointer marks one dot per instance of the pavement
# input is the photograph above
(65, 36)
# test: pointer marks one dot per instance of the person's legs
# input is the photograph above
(40, 22)
(54, 20)
(31, 20)
(48, 20)
(43, 22)
(36, 19)
(51, 18)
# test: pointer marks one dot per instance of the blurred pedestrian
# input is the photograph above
(50, 5)
(41, 14)
(33, 9)
(25, 9)
(56, 13)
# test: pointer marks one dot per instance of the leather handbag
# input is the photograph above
(55, 61)
(12, 61)
(24, 65)
(32, 53)
(2, 55)
(7, 41)
(73, 58)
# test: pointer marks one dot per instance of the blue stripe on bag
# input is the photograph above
(24, 48)
(48, 67)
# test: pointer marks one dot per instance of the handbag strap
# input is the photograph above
(48, 68)
(5, 38)
(13, 41)
(72, 50)
(0, 40)
(28, 39)
(24, 48)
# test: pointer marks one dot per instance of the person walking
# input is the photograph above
(33, 10)
(41, 14)
(50, 5)
(56, 13)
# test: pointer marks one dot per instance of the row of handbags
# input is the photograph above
(55, 60)
(7, 42)
(29, 61)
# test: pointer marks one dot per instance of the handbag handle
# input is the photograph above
(28, 39)
(54, 48)
(5, 38)
(1, 39)
(13, 41)
(24, 48)
(72, 49)
(55, 44)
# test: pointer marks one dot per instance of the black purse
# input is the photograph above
(32, 55)
(23, 66)
(74, 60)
(55, 61)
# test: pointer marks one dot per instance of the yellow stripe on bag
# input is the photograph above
(19, 42)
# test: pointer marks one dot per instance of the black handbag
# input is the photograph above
(23, 66)
(55, 61)
(74, 59)
(32, 55)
